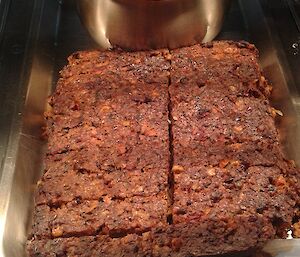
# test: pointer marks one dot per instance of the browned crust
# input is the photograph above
(233, 189)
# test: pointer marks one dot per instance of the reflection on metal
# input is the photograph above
(28, 76)
(283, 248)
(144, 24)
(277, 71)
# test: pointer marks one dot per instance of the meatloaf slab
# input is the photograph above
(162, 153)
(107, 162)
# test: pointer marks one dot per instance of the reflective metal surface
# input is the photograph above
(146, 24)
(39, 35)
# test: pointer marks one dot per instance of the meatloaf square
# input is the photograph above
(112, 216)
(107, 163)
(228, 166)
(59, 186)
(104, 246)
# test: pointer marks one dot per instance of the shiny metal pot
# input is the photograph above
(150, 24)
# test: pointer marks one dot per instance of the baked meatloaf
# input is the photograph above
(162, 153)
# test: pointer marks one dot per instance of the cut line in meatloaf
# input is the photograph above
(162, 153)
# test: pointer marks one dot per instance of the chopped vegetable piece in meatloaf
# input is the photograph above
(186, 136)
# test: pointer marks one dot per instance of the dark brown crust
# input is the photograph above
(212, 237)
(104, 191)
(112, 216)
(107, 129)
(92, 186)
(228, 164)
(104, 246)
(107, 161)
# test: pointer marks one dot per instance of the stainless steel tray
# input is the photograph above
(35, 39)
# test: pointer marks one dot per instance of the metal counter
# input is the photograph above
(35, 39)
